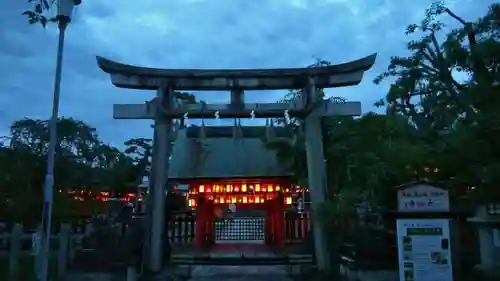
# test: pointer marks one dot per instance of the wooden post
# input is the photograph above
(237, 99)
(161, 146)
(316, 176)
(15, 251)
(62, 254)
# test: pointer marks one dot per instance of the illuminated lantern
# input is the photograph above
(236, 189)
(270, 188)
(269, 197)
(209, 189)
(244, 188)
(228, 188)
(216, 200)
(257, 187)
(222, 200)
(277, 188)
(233, 199)
(257, 199)
(288, 200)
(262, 200)
(250, 199)
(201, 188)
(245, 200)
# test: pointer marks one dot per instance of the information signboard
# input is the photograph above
(423, 198)
(424, 250)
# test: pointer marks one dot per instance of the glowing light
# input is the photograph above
(288, 200)
(277, 188)
(201, 188)
(233, 199)
(191, 203)
(257, 187)
(245, 200)
(270, 188)
(244, 188)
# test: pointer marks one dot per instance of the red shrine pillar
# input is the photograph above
(269, 238)
(204, 224)
(304, 225)
(275, 221)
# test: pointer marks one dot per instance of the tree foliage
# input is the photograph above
(83, 162)
(441, 120)
(41, 10)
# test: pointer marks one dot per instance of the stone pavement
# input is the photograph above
(240, 273)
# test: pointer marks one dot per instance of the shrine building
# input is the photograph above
(229, 169)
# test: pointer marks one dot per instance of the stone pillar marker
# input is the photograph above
(423, 233)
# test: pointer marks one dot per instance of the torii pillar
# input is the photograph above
(159, 170)
(316, 175)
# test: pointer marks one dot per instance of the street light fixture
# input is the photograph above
(64, 12)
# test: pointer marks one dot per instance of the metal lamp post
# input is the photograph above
(64, 12)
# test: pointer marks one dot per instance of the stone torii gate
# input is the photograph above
(162, 109)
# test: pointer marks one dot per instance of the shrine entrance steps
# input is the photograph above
(242, 262)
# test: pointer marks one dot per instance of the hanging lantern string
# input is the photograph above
(217, 117)
(287, 117)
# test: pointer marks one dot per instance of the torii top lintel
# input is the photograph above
(135, 77)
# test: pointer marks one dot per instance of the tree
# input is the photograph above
(82, 161)
(459, 117)
(40, 10)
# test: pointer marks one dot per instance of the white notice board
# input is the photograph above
(424, 250)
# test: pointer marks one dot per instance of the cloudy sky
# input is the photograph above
(193, 34)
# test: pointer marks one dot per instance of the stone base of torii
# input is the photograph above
(309, 108)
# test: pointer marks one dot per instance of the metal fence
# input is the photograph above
(240, 229)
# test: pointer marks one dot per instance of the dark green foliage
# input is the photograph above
(442, 120)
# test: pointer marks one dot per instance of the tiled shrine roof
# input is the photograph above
(219, 155)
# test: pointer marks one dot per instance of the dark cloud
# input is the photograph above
(193, 34)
